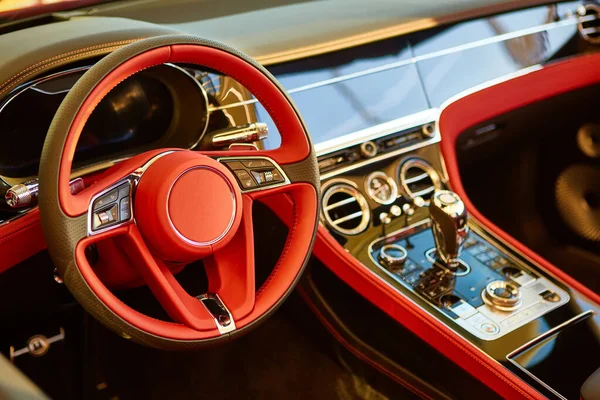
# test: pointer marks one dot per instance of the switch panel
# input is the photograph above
(112, 208)
(254, 173)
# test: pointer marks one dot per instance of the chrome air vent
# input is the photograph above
(589, 27)
(345, 209)
(418, 179)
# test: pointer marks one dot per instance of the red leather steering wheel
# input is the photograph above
(172, 206)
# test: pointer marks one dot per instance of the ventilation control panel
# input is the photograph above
(351, 206)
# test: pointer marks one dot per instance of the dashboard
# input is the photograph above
(373, 113)
(361, 104)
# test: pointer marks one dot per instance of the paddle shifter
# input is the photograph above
(449, 225)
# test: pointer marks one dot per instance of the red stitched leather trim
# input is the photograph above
(552, 80)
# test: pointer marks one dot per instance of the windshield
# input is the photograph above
(12, 10)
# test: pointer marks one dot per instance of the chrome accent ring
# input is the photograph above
(430, 258)
(426, 167)
(349, 188)
(390, 182)
(232, 219)
(391, 260)
(490, 298)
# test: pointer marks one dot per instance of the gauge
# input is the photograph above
(381, 188)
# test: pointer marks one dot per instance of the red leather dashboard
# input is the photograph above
(456, 118)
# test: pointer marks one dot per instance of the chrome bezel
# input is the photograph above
(348, 187)
(392, 260)
(427, 169)
(391, 183)
(491, 299)
(583, 10)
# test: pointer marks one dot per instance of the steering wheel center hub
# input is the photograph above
(201, 205)
(187, 206)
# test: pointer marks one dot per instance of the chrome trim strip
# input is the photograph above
(416, 178)
(546, 335)
(456, 49)
(377, 131)
(348, 217)
(568, 21)
(485, 85)
(340, 203)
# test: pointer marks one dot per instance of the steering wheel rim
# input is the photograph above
(66, 218)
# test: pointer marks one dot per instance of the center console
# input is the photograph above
(386, 200)
(487, 292)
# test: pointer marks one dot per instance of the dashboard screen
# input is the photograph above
(136, 113)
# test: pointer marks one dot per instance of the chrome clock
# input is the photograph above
(381, 188)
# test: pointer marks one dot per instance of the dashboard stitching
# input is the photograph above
(62, 57)
(45, 66)
(288, 244)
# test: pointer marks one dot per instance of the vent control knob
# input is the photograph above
(502, 295)
(368, 149)
(392, 255)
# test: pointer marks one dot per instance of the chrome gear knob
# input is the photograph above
(449, 225)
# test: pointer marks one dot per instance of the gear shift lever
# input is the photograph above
(450, 230)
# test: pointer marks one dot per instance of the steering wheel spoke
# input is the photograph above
(230, 270)
(181, 306)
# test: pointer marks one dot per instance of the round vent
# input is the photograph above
(589, 27)
(345, 209)
(418, 179)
